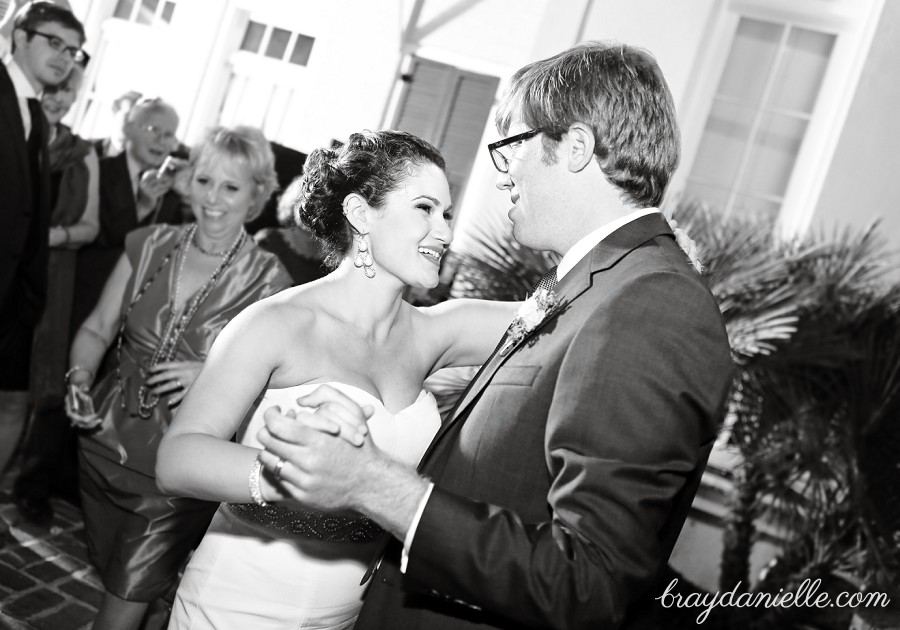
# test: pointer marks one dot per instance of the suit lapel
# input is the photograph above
(9, 109)
(578, 280)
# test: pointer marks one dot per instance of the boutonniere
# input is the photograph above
(533, 311)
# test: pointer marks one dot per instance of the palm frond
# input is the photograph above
(815, 333)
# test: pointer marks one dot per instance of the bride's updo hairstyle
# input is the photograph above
(371, 164)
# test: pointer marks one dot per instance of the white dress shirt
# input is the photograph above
(134, 174)
(578, 251)
(5, 49)
(24, 91)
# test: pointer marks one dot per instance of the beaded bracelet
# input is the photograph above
(255, 472)
(78, 368)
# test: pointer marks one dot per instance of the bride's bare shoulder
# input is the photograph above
(288, 312)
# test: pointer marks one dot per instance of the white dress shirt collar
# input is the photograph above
(5, 49)
(20, 82)
(580, 249)
(134, 173)
(24, 91)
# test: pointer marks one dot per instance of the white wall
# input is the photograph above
(672, 36)
(489, 36)
(352, 67)
(672, 31)
(344, 88)
(863, 181)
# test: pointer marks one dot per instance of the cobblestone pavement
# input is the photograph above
(46, 581)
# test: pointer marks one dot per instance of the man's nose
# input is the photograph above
(503, 181)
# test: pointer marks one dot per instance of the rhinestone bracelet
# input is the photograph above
(255, 472)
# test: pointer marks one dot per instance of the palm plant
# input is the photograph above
(798, 416)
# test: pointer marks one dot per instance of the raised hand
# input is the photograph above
(153, 186)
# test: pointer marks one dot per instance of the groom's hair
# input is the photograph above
(620, 92)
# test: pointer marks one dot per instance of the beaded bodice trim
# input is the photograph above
(307, 523)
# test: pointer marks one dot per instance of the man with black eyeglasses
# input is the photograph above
(7, 22)
(46, 42)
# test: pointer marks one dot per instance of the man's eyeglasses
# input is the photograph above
(73, 52)
(501, 162)
(159, 133)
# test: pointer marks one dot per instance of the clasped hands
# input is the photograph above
(323, 454)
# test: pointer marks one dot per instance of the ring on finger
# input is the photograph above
(278, 467)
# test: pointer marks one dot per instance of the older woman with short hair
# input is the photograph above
(170, 294)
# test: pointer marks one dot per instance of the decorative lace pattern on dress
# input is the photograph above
(308, 524)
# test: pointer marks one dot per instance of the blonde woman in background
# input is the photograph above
(173, 290)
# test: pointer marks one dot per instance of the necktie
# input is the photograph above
(548, 281)
(35, 140)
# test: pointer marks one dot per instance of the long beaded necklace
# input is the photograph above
(176, 325)
(206, 252)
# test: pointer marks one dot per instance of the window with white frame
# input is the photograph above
(770, 96)
(759, 116)
(147, 12)
(277, 43)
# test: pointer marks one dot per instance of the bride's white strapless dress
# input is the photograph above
(282, 568)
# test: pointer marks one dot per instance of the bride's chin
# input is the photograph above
(425, 285)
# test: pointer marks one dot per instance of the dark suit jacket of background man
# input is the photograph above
(24, 215)
(560, 491)
(118, 217)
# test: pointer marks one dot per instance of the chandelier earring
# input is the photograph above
(364, 256)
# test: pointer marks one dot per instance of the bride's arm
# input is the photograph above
(195, 457)
(467, 330)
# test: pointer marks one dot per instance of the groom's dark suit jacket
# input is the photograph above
(563, 478)
(24, 213)
(24, 235)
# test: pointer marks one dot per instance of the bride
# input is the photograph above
(381, 206)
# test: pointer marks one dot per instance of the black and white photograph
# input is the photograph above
(449, 314)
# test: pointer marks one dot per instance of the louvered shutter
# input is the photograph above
(449, 108)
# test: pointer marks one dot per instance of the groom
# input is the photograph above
(553, 494)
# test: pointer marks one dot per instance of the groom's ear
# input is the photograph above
(579, 146)
(357, 209)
